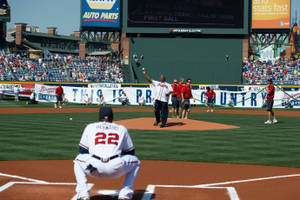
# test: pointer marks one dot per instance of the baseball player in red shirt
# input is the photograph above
(186, 96)
(210, 95)
(269, 102)
(59, 96)
(174, 99)
(179, 96)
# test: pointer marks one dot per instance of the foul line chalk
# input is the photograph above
(22, 178)
(248, 180)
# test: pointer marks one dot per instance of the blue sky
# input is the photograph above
(63, 14)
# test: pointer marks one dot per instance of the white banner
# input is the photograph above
(10, 90)
(251, 98)
(45, 93)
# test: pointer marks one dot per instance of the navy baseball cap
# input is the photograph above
(106, 113)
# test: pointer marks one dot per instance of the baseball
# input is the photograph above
(70, 118)
(143, 69)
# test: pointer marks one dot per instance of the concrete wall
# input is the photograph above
(201, 59)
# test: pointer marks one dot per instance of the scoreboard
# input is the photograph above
(186, 16)
(185, 13)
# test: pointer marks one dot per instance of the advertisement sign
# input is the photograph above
(45, 93)
(100, 13)
(252, 97)
(104, 85)
(4, 11)
(185, 30)
(271, 14)
(24, 89)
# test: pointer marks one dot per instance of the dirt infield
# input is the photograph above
(191, 193)
(173, 124)
(295, 113)
(156, 180)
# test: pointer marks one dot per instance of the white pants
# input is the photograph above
(126, 165)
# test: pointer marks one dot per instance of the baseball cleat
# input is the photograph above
(84, 198)
(268, 122)
(275, 121)
(156, 123)
(162, 126)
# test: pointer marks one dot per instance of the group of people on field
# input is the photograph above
(180, 93)
(180, 97)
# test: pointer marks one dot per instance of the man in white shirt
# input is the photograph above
(16, 92)
(141, 100)
(161, 92)
(1, 91)
(32, 98)
(86, 99)
(101, 100)
(124, 99)
(106, 151)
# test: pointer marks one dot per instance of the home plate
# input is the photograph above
(109, 192)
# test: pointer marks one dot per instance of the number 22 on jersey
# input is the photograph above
(110, 138)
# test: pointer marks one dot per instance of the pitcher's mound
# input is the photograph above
(173, 124)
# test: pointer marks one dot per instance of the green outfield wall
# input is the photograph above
(201, 59)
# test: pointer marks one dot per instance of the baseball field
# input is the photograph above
(228, 154)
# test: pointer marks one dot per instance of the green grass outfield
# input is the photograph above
(54, 136)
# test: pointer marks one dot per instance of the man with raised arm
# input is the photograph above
(161, 92)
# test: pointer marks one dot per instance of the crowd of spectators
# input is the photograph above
(282, 71)
(57, 68)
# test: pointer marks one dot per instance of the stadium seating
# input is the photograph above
(61, 69)
(284, 72)
(109, 69)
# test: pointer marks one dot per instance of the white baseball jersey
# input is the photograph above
(101, 100)
(106, 139)
(16, 89)
(123, 98)
(86, 98)
(142, 99)
(160, 90)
